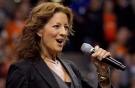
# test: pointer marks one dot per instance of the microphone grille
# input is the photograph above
(86, 48)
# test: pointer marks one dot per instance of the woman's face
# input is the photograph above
(54, 33)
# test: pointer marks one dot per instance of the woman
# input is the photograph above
(43, 37)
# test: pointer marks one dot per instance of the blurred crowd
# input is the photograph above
(107, 23)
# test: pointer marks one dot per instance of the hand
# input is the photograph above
(97, 59)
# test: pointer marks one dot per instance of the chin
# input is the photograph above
(59, 50)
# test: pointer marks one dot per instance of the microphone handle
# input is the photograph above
(114, 63)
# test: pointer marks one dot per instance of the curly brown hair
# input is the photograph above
(28, 45)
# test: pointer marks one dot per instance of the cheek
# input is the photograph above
(49, 35)
(53, 34)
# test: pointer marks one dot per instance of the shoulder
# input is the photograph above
(18, 73)
(20, 69)
(21, 65)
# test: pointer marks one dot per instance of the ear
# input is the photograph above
(39, 33)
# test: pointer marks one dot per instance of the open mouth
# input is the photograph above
(59, 41)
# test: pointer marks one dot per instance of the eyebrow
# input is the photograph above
(60, 23)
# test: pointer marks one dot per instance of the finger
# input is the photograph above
(107, 54)
(94, 55)
(102, 54)
(95, 50)
(100, 50)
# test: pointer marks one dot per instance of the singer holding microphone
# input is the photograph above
(44, 34)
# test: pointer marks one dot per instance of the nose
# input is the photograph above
(63, 32)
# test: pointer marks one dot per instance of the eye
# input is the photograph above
(56, 26)
(67, 27)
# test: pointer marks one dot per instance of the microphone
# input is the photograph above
(88, 49)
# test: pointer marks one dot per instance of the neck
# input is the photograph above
(48, 55)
